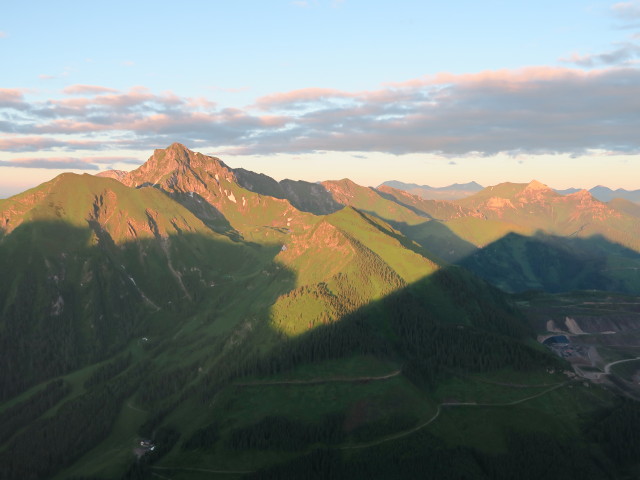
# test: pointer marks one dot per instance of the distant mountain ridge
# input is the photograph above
(606, 194)
(457, 191)
(451, 192)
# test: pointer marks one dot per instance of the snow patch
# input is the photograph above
(232, 197)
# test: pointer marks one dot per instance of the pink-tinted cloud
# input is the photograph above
(503, 77)
(4, 34)
(12, 98)
(296, 97)
(87, 90)
(535, 109)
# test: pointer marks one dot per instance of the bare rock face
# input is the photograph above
(179, 169)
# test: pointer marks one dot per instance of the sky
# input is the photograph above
(426, 92)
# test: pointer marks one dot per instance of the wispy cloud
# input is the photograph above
(625, 54)
(87, 89)
(56, 163)
(4, 34)
(627, 10)
(46, 77)
(26, 143)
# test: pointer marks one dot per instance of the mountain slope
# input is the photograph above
(237, 333)
(538, 207)
(88, 258)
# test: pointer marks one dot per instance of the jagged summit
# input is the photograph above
(167, 166)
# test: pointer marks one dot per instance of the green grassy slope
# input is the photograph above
(245, 337)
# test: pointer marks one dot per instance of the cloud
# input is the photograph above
(128, 63)
(531, 110)
(537, 110)
(623, 55)
(46, 77)
(21, 143)
(627, 10)
(298, 98)
(4, 34)
(87, 89)
(12, 98)
(67, 163)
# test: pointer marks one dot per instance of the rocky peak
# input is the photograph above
(176, 161)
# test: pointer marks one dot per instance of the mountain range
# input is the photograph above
(458, 191)
(450, 192)
(187, 319)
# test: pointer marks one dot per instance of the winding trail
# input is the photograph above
(388, 438)
(607, 367)
(395, 436)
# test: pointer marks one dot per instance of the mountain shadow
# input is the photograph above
(305, 196)
(75, 300)
(448, 325)
(71, 296)
(516, 263)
